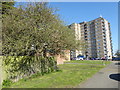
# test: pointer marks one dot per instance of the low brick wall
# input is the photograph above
(61, 58)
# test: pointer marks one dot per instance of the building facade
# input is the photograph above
(97, 35)
(76, 27)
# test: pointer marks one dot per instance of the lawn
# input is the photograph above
(70, 75)
(0, 71)
(89, 61)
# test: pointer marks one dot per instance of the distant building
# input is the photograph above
(97, 35)
(76, 27)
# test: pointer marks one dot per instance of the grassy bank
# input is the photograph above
(70, 75)
(0, 71)
(89, 61)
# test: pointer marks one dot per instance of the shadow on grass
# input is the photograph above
(115, 76)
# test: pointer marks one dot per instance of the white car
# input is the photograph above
(79, 58)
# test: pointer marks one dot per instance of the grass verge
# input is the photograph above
(0, 72)
(70, 75)
(89, 61)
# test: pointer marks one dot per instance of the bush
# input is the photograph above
(6, 83)
(18, 67)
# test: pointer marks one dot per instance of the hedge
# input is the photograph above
(18, 67)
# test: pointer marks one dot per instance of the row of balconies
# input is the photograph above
(104, 44)
(93, 25)
(104, 38)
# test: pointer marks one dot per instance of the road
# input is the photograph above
(108, 77)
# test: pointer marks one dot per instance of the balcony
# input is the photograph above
(105, 54)
(105, 47)
(85, 27)
(86, 37)
(103, 28)
(104, 36)
(104, 33)
(104, 42)
(102, 22)
(103, 25)
(85, 33)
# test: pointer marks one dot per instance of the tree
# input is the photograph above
(117, 53)
(36, 25)
(33, 30)
(6, 6)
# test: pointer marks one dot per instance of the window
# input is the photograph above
(96, 26)
(98, 51)
(98, 43)
(98, 47)
(97, 23)
(98, 40)
(97, 30)
(98, 36)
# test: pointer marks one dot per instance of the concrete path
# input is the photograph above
(108, 77)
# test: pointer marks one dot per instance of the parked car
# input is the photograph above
(116, 59)
(103, 58)
(79, 58)
(93, 59)
(98, 59)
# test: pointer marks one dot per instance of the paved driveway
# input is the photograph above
(108, 77)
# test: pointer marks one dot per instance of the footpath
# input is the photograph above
(108, 77)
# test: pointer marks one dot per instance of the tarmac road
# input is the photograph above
(108, 77)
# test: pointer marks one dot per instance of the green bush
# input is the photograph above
(18, 67)
(6, 83)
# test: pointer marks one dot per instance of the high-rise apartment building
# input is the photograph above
(97, 36)
(76, 28)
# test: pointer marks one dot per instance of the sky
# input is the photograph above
(67, 0)
(76, 12)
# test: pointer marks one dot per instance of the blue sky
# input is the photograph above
(76, 12)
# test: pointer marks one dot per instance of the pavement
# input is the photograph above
(108, 77)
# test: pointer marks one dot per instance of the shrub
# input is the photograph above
(18, 67)
(6, 83)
